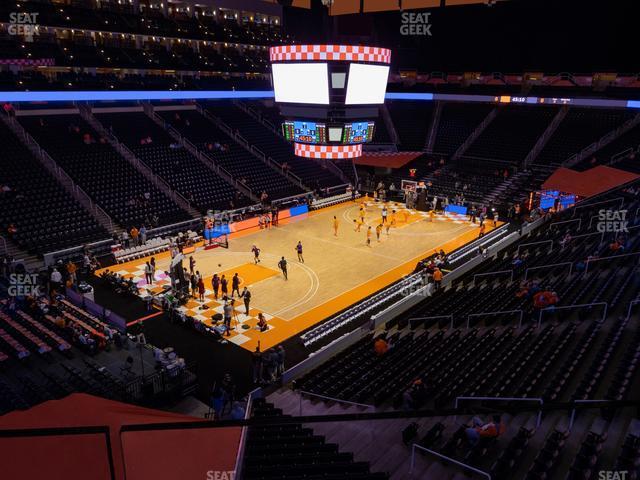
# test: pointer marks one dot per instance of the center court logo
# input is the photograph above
(415, 24)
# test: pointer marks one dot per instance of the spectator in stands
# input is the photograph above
(269, 366)
(134, 236)
(437, 278)
(71, 271)
(565, 240)
(281, 355)
(415, 395)
(12, 230)
(616, 246)
(55, 283)
(479, 430)
(143, 235)
(256, 363)
(380, 346)
(124, 239)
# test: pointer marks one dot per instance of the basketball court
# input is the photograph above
(337, 271)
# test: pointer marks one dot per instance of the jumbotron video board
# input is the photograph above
(329, 96)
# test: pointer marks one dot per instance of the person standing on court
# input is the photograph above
(256, 254)
(235, 284)
(299, 251)
(228, 313)
(148, 273)
(223, 286)
(215, 283)
(246, 296)
(282, 265)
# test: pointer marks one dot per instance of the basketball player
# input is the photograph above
(223, 287)
(282, 265)
(215, 283)
(432, 215)
(378, 231)
(358, 223)
(256, 254)
(369, 236)
(336, 224)
(362, 213)
(299, 251)
(384, 214)
(235, 284)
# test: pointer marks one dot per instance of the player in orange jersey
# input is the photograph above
(369, 236)
(378, 231)
(336, 224)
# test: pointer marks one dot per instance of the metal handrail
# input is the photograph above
(492, 273)
(579, 220)
(573, 412)
(631, 304)
(580, 305)
(500, 312)
(526, 273)
(612, 257)
(534, 243)
(575, 209)
(588, 235)
(434, 317)
(243, 433)
(324, 397)
(506, 399)
(444, 457)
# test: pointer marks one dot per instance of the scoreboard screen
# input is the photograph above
(357, 132)
(304, 132)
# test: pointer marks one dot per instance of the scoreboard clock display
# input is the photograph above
(357, 132)
(304, 132)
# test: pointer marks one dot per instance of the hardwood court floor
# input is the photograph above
(337, 271)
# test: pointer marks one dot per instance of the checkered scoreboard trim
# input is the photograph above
(331, 152)
(342, 53)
